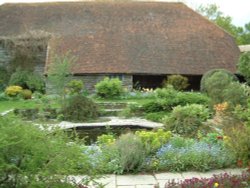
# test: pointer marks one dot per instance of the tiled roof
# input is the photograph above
(128, 37)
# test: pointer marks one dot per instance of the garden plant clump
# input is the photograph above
(220, 181)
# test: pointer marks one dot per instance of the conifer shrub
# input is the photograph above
(79, 108)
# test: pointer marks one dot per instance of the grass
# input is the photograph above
(22, 104)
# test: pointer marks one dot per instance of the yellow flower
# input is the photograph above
(216, 184)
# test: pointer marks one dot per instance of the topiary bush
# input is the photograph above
(226, 78)
(187, 120)
(109, 88)
(177, 81)
(79, 108)
(13, 91)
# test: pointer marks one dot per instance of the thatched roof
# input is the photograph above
(129, 37)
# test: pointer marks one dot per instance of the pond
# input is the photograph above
(90, 134)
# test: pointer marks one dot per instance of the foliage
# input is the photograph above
(187, 120)
(19, 78)
(243, 114)
(3, 97)
(35, 82)
(27, 80)
(193, 155)
(177, 81)
(166, 93)
(131, 152)
(59, 72)
(227, 78)
(31, 157)
(79, 108)
(221, 88)
(26, 94)
(4, 78)
(244, 66)
(168, 98)
(239, 142)
(109, 88)
(75, 86)
(153, 140)
(106, 139)
(156, 116)
(235, 94)
(212, 12)
(221, 180)
(181, 98)
(13, 91)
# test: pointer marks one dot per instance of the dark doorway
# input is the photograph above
(155, 81)
(147, 81)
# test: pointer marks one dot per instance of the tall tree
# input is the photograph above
(212, 12)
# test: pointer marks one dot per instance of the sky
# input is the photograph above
(237, 9)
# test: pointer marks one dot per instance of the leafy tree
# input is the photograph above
(213, 13)
(59, 72)
(244, 66)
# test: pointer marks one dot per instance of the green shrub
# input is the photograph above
(184, 98)
(75, 86)
(19, 78)
(13, 91)
(153, 140)
(239, 142)
(80, 108)
(31, 157)
(27, 80)
(244, 66)
(155, 116)
(106, 139)
(109, 88)
(187, 120)
(131, 152)
(35, 82)
(169, 99)
(226, 78)
(166, 93)
(26, 94)
(177, 81)
(235, 94)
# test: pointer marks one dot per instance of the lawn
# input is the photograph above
(8, 105)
